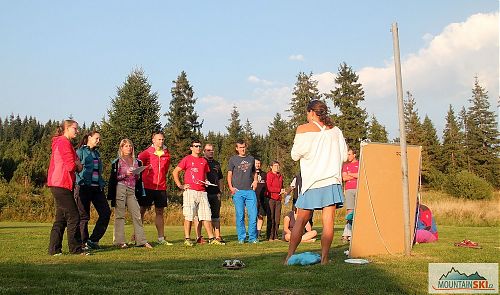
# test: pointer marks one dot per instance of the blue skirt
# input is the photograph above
(319, 198)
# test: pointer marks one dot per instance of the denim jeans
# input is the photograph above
(241, 199)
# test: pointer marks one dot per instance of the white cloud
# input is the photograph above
(439, 74)
(257, 80)
(326, 81)
(260, 108)
(296, 57)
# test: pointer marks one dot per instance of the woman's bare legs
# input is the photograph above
(297, 231)
(327, 234)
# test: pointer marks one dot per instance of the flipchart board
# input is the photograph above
(378, 225)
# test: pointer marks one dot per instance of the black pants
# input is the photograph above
(84, 195)
(273, 219)
(66, 216)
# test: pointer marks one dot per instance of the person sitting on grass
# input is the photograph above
(426, 227)
(288, 224)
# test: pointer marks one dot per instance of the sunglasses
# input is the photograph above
(209, 150)
(197, 145)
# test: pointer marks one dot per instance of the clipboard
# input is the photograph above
(138, 170)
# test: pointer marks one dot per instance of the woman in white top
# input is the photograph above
(321, 149)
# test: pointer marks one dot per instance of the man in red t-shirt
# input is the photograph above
(350, 176)
(194, 199)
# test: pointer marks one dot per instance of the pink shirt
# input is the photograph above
(127, 180)
(353, 168)
(196, 169)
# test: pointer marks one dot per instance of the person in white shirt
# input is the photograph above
(321, 149)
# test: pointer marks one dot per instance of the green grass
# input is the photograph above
(25, 266)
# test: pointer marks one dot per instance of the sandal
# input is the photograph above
(468, 244)
(233, 264)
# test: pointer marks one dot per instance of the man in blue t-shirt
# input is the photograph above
(242, 181)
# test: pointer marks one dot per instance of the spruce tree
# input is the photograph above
(134, 114)
(182, 125)
(346, 97)
(279, 145)
(376, 131)
(234, 133)
(249, 137)
(413, 127)
(482, 141)
(304, 91)
(431, 150)
(453, 158)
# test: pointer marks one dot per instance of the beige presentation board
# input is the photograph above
(378, 225)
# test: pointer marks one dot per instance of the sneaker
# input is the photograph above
(147, 246)
(164, 242)
(215, 242)
(201, 240)
(241, 241)
(57, 254)
(220, 239)
(188, 243)
(92, 245)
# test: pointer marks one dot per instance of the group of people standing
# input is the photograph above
(75, 180)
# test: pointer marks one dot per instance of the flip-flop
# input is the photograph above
(233, 264)
(468, 244)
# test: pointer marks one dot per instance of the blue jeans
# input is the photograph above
(241, 199)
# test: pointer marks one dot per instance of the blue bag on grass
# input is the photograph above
(306, 258)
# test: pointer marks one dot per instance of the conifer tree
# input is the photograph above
(305, 90)
(413, 127)
(376, 131)
(182, 125)
(134, 114)
(482, 140)
(280, 145)
(453, 158)
(234, 133)
(249, 137)
(431, 150)
(346, 97)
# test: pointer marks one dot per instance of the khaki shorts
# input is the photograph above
(195, 203)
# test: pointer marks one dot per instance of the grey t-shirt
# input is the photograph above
(243, 169)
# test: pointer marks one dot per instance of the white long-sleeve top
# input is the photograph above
(321, 156)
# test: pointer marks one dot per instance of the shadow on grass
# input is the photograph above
(176, 269)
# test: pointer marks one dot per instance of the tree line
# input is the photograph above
(470, 141)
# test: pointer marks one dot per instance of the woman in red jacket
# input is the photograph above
(61, 180)
(274, 184)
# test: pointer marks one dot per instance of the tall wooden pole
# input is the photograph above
(402, 139)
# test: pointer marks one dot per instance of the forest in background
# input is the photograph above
(463, 161)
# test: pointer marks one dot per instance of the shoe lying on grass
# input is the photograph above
(233, 264)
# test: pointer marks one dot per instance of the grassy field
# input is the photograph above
(25, 266)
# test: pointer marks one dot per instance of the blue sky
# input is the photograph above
(59, 58)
